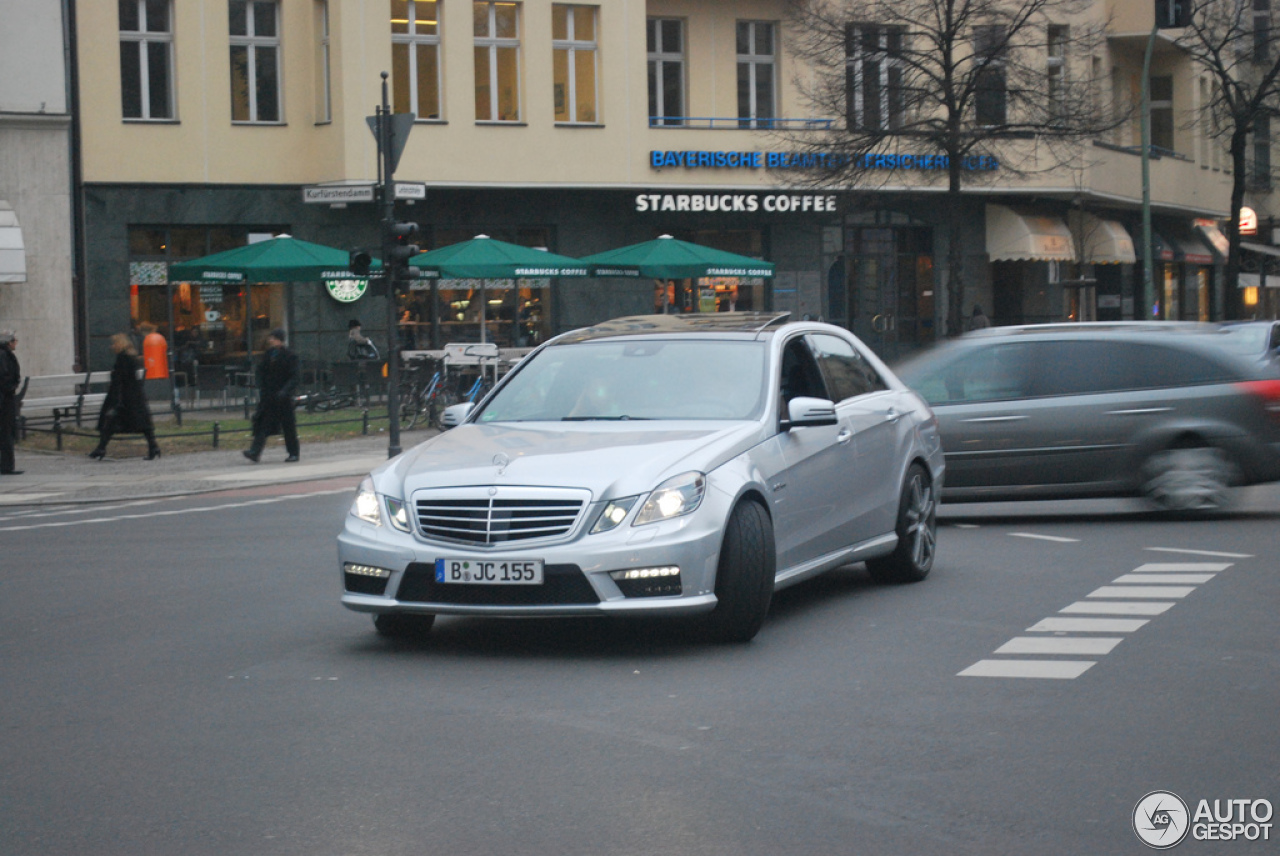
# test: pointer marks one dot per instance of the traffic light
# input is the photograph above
(360, 262)
(399, 245)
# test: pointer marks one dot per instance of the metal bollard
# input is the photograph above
(216, 428)
(57, 432)
(365, 422)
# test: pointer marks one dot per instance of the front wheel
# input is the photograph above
(917, 530)
(744, 575)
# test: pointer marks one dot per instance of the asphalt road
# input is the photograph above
(178, 678)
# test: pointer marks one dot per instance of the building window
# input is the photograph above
(991, 95)
(146, 59)
(1261, 30)
(1056, 68)
(1261, 177)
(756, 73)
(415, 57)
(255, 61)
(1161, 95)
(666, 71)
(497, 50)
(1173, 14)
(324, 102)
(873, 77)
(573, 49)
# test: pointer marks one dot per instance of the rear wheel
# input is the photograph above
(744, 575)
(1193, 479)
(395, 625)
(917, 529)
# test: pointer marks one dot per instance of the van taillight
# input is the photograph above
(1266, 390)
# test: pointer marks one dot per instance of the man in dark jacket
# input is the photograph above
(277, 383)
(10, 378)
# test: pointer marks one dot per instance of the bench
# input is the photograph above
(56, 398)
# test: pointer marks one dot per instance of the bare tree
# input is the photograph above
(1238, 45)
(964, 84)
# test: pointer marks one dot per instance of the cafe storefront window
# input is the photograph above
(718, 293)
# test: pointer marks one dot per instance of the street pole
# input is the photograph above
(1148, 286)
(390, 270)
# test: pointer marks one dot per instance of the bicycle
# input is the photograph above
(334, 399)
(424, 399)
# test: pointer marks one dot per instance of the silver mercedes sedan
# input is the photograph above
(654, 465)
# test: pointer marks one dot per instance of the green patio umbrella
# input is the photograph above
(279, 259)
(486, 258)
(668, 258)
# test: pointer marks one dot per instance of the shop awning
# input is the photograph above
(1192, 251)
(1261, 249)
(1217, 241)
(1013, 237)
(13, 255)
(1103, 242)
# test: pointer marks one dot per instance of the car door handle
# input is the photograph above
(892, 416)
(844, 436)
(1139, 411)
(996, 419)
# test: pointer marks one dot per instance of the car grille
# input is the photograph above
(562, 584)
(480, 517)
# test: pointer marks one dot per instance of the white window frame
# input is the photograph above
(575, 46)
(1056, 37)
(413, 40)
(144, 38)
(657, 62)
(889, 115)
(493, 43)
(254, 43)
(324, 79)
(753, 60)
(996, 63)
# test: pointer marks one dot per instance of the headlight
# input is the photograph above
(614, 512)
(366, 505)
(674, 497)
(399, 514)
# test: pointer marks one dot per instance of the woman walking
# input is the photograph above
(125, 411)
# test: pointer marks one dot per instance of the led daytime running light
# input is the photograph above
(645, 573)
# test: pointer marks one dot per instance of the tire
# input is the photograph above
(398, 625)
(411, 411)
(917, 529)
(744, 575)
(1189, 480)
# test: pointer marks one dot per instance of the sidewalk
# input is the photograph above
(51, 478)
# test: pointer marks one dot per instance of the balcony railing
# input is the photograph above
(736, 123)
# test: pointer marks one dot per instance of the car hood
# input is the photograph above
(609, 459)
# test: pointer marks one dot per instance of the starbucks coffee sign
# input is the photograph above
(346, 290)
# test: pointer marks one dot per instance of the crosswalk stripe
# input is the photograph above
(1148, 579)
(1200, 552)
(1142, 591)
(1090, 645)
(1088, 625)
(1103, 607)
(1049, 669)
(1158, 567)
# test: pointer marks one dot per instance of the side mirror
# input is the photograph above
(803, 411)
(454, 414)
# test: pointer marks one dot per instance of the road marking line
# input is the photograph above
(966, 526)
(1102, 607)
(1092, 646)
(1142, 591)
(1056, 538)
(1178, 567)
(1200, 552)
(172, 512)
(1050, 669)
(1087, 625)
(1145, 579)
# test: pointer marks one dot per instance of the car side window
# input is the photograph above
(847, 372)
(1081, 367)
(800, 374)
(1163, 366)
(997, 373)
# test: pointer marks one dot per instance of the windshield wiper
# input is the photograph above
(602, 418)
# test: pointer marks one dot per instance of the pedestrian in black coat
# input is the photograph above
(277, 383)
(10, 378)
(125, 410)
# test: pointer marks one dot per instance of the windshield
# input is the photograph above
(650, 379)
(1247, 339)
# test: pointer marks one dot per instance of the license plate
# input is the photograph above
(487, 572)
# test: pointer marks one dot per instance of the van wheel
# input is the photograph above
(1189, 480)
(744, 575)
(396, 625)
(917, 528)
